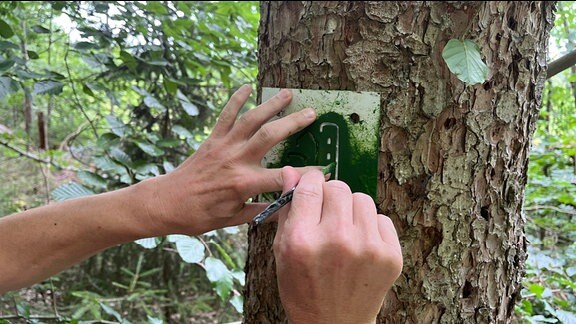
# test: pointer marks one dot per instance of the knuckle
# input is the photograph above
(362, 198)
(338, 187)
(247, 118)
(294, 246)
(308, 193)
(265, 134)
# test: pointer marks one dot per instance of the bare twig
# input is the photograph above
(34, 157)
(76, 100)
(554, 208)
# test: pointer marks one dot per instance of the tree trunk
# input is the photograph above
(453, 157)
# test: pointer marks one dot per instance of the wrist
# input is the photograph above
(146, 208)
(333, 318)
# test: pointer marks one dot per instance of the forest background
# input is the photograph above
(96, 96)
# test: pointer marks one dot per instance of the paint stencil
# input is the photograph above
(346, 132)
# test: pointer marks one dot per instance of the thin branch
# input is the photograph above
(554, 208)
(34, 156)
(8, 317)
(76, 100)
(561, 64)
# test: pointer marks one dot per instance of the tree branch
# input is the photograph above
(554, 208)
(561, 64)
(34, 156)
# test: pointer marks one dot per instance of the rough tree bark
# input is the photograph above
(452, 158)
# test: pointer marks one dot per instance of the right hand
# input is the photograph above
(336, 258)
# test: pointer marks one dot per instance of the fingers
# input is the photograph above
(388, 232)
(273, 132)
(272, 180)
(252, 120)
(230, 112)
(306, 206)
(365, 215)
(337, 207)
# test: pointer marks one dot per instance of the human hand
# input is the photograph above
(210, 189)
(336, 258)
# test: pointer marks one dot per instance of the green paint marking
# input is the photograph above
(346, 132)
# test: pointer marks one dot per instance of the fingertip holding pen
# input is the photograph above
(277, 204)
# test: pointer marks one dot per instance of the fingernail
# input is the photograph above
(284, 94)
(309, 113)
(246, 88)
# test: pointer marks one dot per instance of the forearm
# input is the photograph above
(41, 242)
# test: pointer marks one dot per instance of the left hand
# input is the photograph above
(210, 189)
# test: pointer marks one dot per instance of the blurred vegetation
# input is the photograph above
(549, 294)
(128, 90)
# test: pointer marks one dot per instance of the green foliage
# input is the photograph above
(549, 294)
(129, 90)
(463, 59)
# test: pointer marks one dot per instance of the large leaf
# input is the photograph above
(154, 103)
(463, 59)
(5, 29)
(219, 276)
(8, 45)
(71, 190)
(116, 125)
(5, 65)
(237, 301)
(48, 87)
(149, 149)
(190, 108)
(92, 179)
(147, 243)
(121, 156)
(190, 249)
(7, 86)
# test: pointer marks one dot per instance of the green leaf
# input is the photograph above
(173, 238)
(128, 59)
(40, 29)
(58, 5)
(190, 108)
(110, 311)
(8, 45)
(147, 243)
(121, 156)
(156, 7)
(7, 86)
(92, 179)
(182, 131)
(240, 276)
(238, 302)
(152, 102)
(157, 62)
(190, 249)
(85, 46)
(536, 289)
(168, 167)
(565, 316)
(149, 149)
(48, 87)
(5, 29)
(219, 275)
(107, 164)
(463, 59)
(6, 65)
(33, 55)
(116, 125)
(71, 190)
(154, 320)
